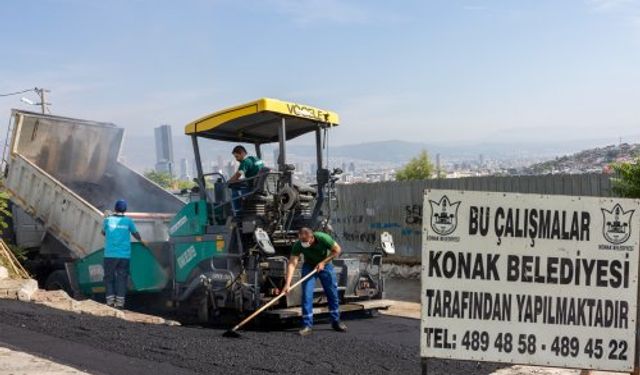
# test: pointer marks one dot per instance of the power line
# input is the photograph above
(42, 93)
(19, 92)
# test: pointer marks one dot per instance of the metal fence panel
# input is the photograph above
(363, 211)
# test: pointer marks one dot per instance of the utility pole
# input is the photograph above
(42, 93)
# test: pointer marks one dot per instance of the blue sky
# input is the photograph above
(431, 71)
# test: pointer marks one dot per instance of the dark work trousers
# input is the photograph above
(330, 285)
(116, 278)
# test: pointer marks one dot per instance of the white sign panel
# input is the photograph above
(530, 279)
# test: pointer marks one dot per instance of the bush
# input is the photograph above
(418, 168)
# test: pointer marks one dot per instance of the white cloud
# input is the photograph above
(609, 5)
(305, 12)
(628, 11)
(474, 7)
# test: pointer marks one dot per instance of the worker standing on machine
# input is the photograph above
(249, 167)
(118, 230)
(316, 247)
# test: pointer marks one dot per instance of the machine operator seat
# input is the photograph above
(260, 195)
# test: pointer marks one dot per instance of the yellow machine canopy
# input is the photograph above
(259, 121)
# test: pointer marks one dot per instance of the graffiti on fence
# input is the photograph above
(413, 214)
(384, 225)
(357, 236)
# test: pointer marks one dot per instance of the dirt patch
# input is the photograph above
(13, 362)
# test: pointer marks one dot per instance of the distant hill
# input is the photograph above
(139, 151)
(388, 151)
(596, 159)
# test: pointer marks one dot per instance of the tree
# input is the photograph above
(418, 168)
(184, 184)
(627, 181)
(163, 179)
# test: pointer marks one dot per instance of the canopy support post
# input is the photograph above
(201, 183)
(318, 148)
(282, 140)
(258, 151)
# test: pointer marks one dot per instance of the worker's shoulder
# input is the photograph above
(323, 236)
(118, 219)
(297, 247)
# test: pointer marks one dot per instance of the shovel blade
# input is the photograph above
(231, 334)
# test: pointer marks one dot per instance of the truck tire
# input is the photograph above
(58, 280)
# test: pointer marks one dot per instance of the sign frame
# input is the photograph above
(435, 226)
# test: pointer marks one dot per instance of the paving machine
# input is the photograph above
(219, 259)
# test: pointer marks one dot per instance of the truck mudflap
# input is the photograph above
(296, 312)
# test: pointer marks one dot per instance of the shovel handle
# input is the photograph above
(276, 299)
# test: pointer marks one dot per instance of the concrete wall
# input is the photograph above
(363, 211)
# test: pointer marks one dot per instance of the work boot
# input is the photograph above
(111, 301)
(339, 326)
(306, 331)
(119, 304)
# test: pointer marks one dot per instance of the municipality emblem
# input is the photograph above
(616, 224)
(444, 216)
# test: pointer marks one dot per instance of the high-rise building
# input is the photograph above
(164, 149)
(185, 169)
(220, 164)
(230, 169)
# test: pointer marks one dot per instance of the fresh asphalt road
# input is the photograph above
(379, 345)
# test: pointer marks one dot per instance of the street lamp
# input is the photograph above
(43, 104)
(28, 101)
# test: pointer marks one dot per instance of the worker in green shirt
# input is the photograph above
(249, 167)
(315, 247)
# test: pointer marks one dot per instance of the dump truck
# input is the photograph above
(204, 258)
(62, 174)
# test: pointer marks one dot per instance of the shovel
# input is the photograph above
(233, 331)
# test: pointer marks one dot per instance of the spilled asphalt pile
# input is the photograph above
(379, 345)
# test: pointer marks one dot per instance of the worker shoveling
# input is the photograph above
(233, 332)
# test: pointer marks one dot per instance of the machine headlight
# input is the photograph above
(263, 241)
(386, 243)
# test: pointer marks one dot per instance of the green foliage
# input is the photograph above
(19, 252)
(184, 184)
(167, 181)
(418, 168)
(163, 179)
(627, 181)
(4, 210)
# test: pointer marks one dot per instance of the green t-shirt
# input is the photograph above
(317, 252)
(250, 166)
